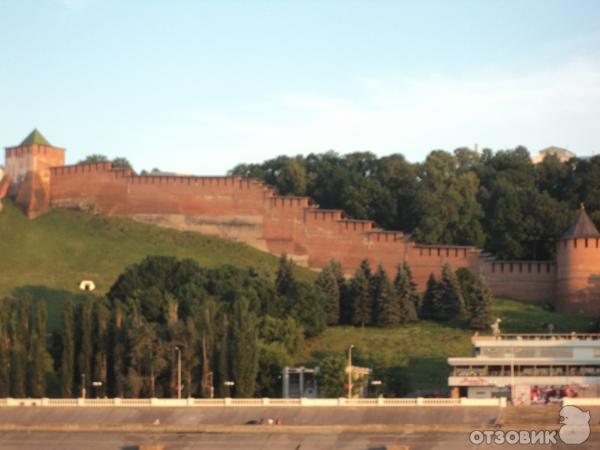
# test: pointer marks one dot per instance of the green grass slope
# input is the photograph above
(419, 350)
(49, 256)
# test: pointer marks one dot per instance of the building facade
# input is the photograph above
(252, 212)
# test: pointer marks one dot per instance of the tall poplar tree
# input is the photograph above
(85, 338)
(5, 347)
(67, 365)
(38, 359)
(19, 336)
(244, 349)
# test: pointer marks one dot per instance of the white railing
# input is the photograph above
(250, 402)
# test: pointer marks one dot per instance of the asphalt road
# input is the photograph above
(345, 441)
(459, 419)
(240, 416)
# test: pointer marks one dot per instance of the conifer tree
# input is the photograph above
(361, 296)
(67, 366)
(430, 298)
(450, 304)
(244, 349)
(327, 282)
(285, 274)
(101, 318)
(406, 291)
(386, 301)
(117, 351)
(467, 281)
(481, 305)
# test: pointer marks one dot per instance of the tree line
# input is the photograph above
(372, 298)
(226, 324)
(499, 201)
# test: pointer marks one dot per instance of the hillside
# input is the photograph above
(49, 256)
(417, 353)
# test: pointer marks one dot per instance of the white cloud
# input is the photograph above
(495, 109)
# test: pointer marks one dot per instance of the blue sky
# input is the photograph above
(197, 86)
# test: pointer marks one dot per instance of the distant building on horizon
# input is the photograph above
(562, 154)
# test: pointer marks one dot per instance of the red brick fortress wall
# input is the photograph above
(250, 211)
(533, 281)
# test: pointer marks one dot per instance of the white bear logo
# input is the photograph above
(575, 427)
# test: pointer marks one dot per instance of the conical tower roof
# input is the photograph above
(582, 227)
(35, 137)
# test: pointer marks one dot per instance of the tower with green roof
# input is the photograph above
(27, 165)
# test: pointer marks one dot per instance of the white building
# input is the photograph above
(562, 154)
(534, 368)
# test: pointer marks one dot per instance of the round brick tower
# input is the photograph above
(578, 267)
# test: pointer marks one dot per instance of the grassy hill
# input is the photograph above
(49, 256)
(419, 351)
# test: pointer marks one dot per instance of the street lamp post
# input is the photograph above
(229, 384)
(83, 386)
(178, 350)
(350, 372)
(97, 385)
(377, 384)
(212, 385)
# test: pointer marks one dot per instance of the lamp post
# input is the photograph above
(229, 384)
(377, 384)
(97, 385)
(350, 372)
(212, 385)
(178, 350)
(83, 386)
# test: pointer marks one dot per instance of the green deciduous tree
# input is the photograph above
(332, 375)
(244, 349)
(285, 274)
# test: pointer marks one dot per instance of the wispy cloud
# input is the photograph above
(500, 109)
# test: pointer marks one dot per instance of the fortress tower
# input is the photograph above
(28, 169)
(578, 267)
